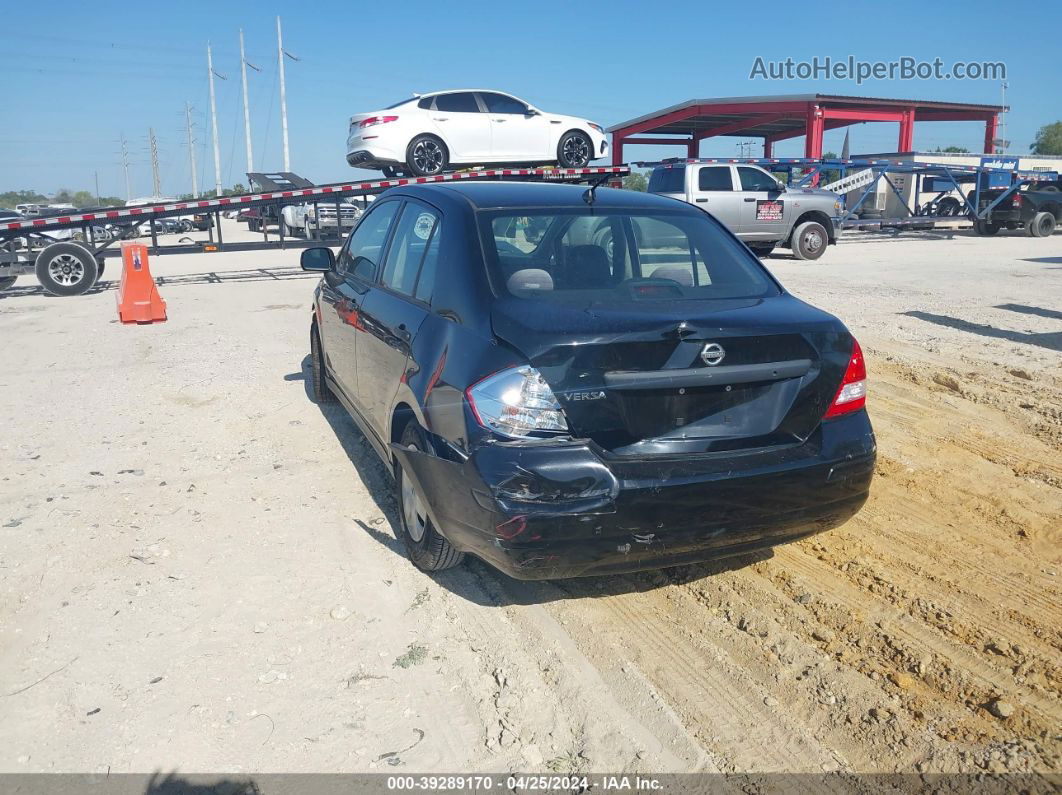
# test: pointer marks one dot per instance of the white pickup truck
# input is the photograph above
(302, 219)
(754, 205)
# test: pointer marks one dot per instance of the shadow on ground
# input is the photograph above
(476, 581)
(1050, 340)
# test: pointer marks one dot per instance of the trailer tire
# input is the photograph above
(809, 240)
(985, 228)
(949, 207)
(66, 269)
(6, 281)
(1042, 225)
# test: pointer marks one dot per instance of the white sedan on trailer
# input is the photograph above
(431, 133)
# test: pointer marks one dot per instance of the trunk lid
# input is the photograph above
(679, 377)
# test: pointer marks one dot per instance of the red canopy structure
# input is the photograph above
(776, 118)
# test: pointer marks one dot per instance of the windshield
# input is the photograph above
(581, 254)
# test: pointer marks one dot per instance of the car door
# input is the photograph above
(394, 309)
(517, 133)
(764, 211)
(344, 291)
(712, 189)
(463, 126)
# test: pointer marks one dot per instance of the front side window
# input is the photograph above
(412, 236)
(499, 103)
(589, 256)
(461, 102)
(362, 253)
(754, 179)
(715, 178)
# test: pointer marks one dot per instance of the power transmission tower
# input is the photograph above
(214, 121)
(246, 106)
(281, 53)
(191, 147)
(125, 167)
(156, 183)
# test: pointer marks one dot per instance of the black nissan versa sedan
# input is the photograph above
(567, 381)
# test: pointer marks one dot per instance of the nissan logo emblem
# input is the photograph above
(712, 353)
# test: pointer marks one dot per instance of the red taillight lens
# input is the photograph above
(852, 394)
(373, 120)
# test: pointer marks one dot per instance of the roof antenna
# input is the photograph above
(589, 195)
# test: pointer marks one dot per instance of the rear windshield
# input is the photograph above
(667, 180)
(581, 254)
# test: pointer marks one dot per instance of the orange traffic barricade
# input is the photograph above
(138, 297)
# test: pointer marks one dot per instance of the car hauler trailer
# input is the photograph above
(860, 178)
(69, 267)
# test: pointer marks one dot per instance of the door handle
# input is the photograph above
(749, 200)
(501, 120)
(702, 200)
(440, 118)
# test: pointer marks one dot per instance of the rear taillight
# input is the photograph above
(852, 394)
(374, 120)
(516, 402)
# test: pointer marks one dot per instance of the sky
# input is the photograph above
(80, 76)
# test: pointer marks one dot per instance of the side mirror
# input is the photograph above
(531, 112)
(318, 259)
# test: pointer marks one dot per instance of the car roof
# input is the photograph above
(499, 195)
(461, 90)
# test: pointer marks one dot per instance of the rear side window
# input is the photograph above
(366, 242)
(715, 178)
(425, 104)
(461, 102)
(667, 180)
(754, 179)
(412, 236)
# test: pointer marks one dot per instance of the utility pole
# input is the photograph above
(246, 106)
(125, 166)
(283, 97)
(1003, 116)
(96, 176)
(156, 183)
(191, 147)
(214, 122)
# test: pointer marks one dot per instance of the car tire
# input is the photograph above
(322, 392)
(66, 269)
(1042, 225)
(809, 240)
(985, 229)
(426, 156)
(949, 207)
(282, 229)
(574, 150)
(762, 250)
(428, 550)
(6, 281)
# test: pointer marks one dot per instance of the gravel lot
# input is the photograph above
(198, 570)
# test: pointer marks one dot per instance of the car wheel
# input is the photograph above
(6, 281)
(949, 207)
(809, 240)
(762, 250)
(575, 150)
(322, 393)
(428, 550)
(66, 269)
(1042, 225)
(427, 156)
(985, 229)
(282, 229)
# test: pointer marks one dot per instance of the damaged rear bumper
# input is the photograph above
(544, 510)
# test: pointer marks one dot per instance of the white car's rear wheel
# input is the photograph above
(427, 156)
